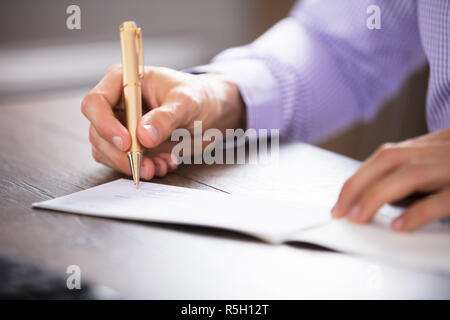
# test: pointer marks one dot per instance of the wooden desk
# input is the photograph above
(45, 153)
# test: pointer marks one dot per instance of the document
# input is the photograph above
(255, 216)
(267, 219)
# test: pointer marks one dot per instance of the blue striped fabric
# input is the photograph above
(434, 22)
(321, 69)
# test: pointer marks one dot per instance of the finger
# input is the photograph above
(385, 159)
(398, 184)
(118, 160)
(432, 208)
(99, 157)
(97, 107)
(110, 86)
(100, 114)
(147, 171)
(171, 160)
(157, 83)
(160, 166)
(158, 124)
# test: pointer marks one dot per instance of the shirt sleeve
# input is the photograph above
(321, 69)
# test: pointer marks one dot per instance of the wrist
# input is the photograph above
(228, 101)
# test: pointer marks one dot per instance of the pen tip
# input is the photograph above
(135, 163)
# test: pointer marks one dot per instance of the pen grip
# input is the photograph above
(133, 110)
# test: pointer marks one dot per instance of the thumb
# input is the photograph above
(157, 125)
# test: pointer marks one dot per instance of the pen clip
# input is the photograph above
(141, 52)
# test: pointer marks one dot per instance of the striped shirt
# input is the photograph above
(321, 69)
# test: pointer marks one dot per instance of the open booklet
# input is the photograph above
(264, 218)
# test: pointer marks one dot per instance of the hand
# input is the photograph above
(396, 171)
(171, 100)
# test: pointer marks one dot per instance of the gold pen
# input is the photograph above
(131, 48)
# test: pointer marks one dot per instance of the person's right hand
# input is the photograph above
(171, 100)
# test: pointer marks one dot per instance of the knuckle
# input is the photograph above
(386, 150)
(387, 145)
(149, 73)
(153, 70)
(169, 116)
(85, 103)
(89, 101)
(154, 74)
(115, 68)
(187, 96)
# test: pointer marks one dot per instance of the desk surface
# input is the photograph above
(146, 260)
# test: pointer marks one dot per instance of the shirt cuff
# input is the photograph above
(258, 87)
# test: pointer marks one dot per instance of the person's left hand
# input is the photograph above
(395, 171)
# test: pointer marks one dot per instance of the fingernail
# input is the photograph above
(398, 224)
(117, 141)
(143, 172)
(354, 213)
(152, 132)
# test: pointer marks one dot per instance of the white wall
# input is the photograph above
(38, 52)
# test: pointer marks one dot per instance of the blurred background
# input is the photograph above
(39, 55)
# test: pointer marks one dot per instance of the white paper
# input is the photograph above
(264, 218)
(427, 248)
(259, 217)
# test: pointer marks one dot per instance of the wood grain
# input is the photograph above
(45, 153)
